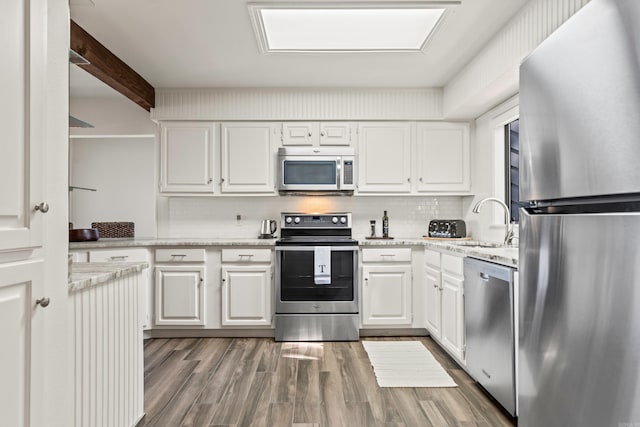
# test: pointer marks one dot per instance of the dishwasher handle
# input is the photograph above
(485, 277)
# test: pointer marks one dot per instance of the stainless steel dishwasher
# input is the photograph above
(491, 329)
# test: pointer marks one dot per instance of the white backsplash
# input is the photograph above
(216, 217)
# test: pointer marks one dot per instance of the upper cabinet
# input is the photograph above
(240, 158)
(187, 157)
(384, 157)
(413, 158)
(442, 157)
(316, 133)
(248, 156)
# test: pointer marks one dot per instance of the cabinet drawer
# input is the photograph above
(119, 255)
(246, 255)
(452, 264)
(386, 255)
(179, 255)
(432, 258)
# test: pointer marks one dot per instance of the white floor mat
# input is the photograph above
(405, 364)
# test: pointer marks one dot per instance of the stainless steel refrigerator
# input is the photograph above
(579, 306)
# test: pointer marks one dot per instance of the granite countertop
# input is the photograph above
(185, 241)
(493, 252)
(87, 274)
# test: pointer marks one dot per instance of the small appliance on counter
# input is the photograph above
(267, 229)
(447, 228)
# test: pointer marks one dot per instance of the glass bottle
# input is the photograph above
(385, 226)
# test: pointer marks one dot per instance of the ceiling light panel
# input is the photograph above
(361, 28)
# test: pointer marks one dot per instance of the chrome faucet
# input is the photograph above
(508, 234)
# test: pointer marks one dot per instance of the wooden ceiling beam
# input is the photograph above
(110, 69)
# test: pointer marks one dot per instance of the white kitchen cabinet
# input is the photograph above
(246, 295)
(34, 372)
(386, 287)
(444, 303)
(384, 157)
(246, 287)
(180, 295)
(316, 133)
(248, 156)
(432, 293)
(442, 157)
(188, 157)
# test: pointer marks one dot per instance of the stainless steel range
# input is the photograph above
(316, 278)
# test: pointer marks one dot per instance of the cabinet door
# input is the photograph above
(335, 133)
(22, 335)
(246, 295)
(187, 151)
(300, 133)
(432, 302)
(443, 157)
(248, 158)
(180, 295)
(21, 123)
(386, 295)
(452, 335)
(384, 157)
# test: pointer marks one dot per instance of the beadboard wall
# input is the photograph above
(216, 217)
(297, 104)
(492, 75)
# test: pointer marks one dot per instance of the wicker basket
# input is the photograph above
(115, 229)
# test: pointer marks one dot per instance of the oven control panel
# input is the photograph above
(331, 220)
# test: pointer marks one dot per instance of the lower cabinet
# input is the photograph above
(246, 295)
(180, 296)
(444, 301)
(246, 287)
(386, 287)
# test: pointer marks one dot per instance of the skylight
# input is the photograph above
(357, 28)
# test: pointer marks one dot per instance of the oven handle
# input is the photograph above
(312, 248)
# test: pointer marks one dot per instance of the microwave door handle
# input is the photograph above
(339, 174)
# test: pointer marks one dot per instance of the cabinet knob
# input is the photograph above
(221, 181)
(309, 134)
(408, 179)
(420, 179)
(43, 302)
(321, 133)
(42, 207)
(210, 180)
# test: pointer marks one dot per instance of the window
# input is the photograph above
(512, 178)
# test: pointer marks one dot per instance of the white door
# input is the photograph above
(34, 374)
(386, 295)
(248, 158)
(187, 151)
(335, 133)
(432, 301)
(452, 315)
(443, 157)
(180, 295)
(246, 295)
(21, 334)
(300, 133)
(384, 157)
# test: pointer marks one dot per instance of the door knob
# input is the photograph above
(42, 207)
(43, 302)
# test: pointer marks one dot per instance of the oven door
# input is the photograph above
(296, 290)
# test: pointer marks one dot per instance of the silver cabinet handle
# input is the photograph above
(43, 302)
(387, 255)
(178, 255)
(42, 207)
(113, 257)
(247, 255)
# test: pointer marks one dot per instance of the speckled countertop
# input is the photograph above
(495, 253)
(146, 242)
(87, 274)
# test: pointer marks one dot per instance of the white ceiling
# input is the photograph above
(211, 43)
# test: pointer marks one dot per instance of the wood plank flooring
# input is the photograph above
(259, 382)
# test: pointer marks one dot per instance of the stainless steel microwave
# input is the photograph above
(316, 169)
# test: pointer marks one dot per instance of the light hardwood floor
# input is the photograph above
(259, 382)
